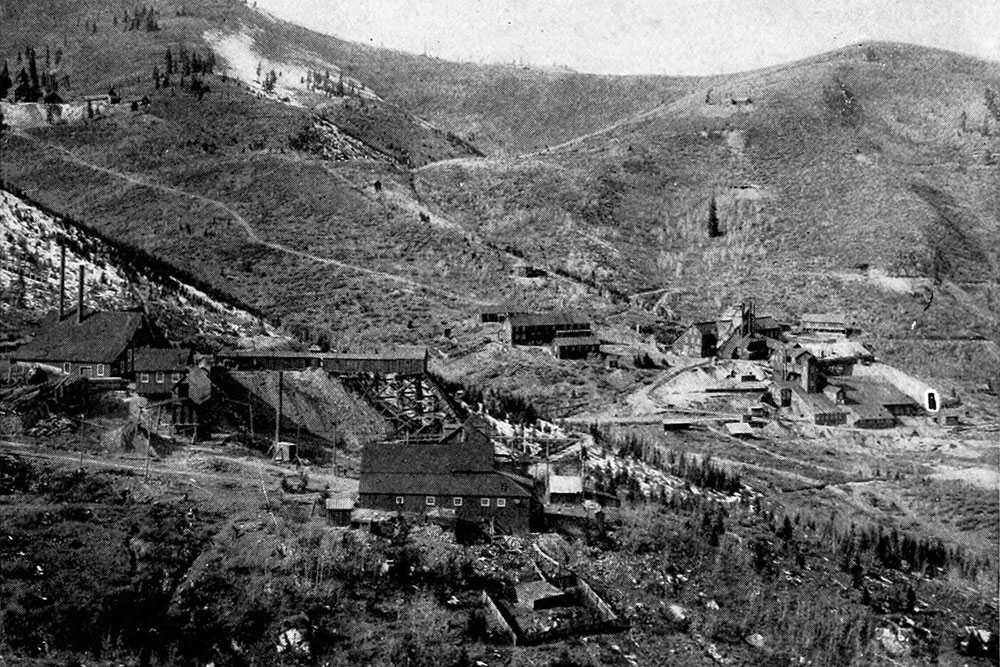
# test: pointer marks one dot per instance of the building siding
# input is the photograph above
(511, 518)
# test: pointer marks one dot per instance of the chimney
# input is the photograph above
(62, 282)
(79, 298)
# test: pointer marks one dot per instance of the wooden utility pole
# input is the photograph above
(277, 420)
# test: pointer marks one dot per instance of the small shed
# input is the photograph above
(678, 423)
(286, 451)
(565, 489)
(739, 429)
(824, 323)
(338, 511)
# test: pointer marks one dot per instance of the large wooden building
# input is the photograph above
(456, 477)
(544, 328)
(95, 345)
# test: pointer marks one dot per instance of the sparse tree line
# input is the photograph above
(189, 67)
(141, 18)
(331, 85)
(30, 84)
(859, 548)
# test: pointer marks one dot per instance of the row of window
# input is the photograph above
(85, 370)
(102, 372)
(174, 377)
(456, 501)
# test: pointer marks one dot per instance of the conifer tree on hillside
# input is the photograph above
(269, 81)
(5, 81)
(32, 69)
(169, 62)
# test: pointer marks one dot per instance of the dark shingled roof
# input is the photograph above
(457, 469)
(406, 458)
(151, 359)
(765, 322)
(571, 341)
(548, 319)
(101, 338)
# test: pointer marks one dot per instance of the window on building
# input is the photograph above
(175, 378)
(399, 500)
(501, 502)
(67, 367)
(85, 371)
(429, 500)
(159, 378)
(100, 370)
(457, 502)
(484, 502)
(143, 377)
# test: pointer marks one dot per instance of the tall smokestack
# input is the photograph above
(79, 298)
(62, 282)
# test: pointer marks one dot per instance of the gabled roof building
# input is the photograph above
(97, 345)
(543, 328)
(161, 371)
(457, 478)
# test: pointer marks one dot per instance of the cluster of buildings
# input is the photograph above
(467, 478)
(818, 371)
(112, 348)
(567, 334)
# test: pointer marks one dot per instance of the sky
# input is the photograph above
(647, 36)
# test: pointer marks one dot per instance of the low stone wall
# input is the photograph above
(496, 624)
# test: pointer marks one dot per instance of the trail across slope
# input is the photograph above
(248, 229)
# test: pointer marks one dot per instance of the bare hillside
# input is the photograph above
(804, 186)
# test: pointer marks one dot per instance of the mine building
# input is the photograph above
(824, 323)
(736, 334)
(575, 347)
(795, 364)
(543, 328)
(95, 345)
(161, 372)
(499, 312)
(451, 478)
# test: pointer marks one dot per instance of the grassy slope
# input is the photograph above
(231, 149)
(845, 185)
(501, 109)
(626, 208)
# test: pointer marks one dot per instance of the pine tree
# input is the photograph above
(169, 62)
(269, 81)
(33, 71)
(713, 220)
(5, 81)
